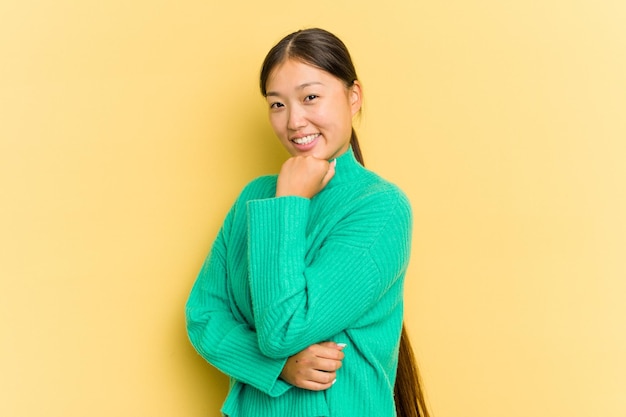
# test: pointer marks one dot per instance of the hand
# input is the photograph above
(304, 176)
(314, 368)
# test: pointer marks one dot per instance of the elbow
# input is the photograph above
(199, 337)
(195, 333)
(275, 344)
(279, 335)
(272, 347)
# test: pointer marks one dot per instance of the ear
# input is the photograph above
(355, 95)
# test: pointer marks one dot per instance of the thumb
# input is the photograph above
(330, 173)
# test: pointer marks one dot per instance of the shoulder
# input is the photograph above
(367, 206)
(384, 194)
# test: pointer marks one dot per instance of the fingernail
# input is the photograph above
(335, 162)
(341, 345)
(333, 383)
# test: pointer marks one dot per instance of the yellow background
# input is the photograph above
(127, 128)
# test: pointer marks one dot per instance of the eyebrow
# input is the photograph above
(300, 87)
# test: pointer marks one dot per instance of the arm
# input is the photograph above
(296, 303)
(225, 342)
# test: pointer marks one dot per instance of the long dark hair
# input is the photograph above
(322, 49)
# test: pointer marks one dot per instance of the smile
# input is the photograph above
(305, 139)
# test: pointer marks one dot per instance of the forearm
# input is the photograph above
(299, 301)
(233, 349)
(221, 338)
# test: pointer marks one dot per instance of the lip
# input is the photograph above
(303, 135)
(308, 146)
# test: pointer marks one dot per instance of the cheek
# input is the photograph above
(323, 116)
(276, 123)
(335, 117)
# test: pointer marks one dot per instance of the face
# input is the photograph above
(311, 110)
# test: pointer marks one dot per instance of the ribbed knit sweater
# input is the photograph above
(288, 272)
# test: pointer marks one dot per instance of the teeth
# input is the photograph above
(306, 139)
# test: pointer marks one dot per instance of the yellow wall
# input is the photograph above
(128, 127)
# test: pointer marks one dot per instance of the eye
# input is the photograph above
(310, 97)
(276, 105)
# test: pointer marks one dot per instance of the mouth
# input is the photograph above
(305, 140)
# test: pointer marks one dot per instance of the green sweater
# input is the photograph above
(287, 272)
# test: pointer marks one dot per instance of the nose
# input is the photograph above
(297, 119)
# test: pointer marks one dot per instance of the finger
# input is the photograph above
(310, 378)
(321, 377)
(327, 350)
(334, 345)
(315, 362)
(315, 386)
(327, 365)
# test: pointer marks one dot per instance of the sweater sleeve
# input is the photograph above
(300, 301)
(227, 343)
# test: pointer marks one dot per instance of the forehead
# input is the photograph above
(293, 74)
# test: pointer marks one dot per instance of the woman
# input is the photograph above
(300, 299)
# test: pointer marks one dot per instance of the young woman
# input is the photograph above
(300, 299)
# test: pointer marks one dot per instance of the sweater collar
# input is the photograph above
(347, 169)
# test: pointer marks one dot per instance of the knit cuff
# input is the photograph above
(248, 364)
(277, 244)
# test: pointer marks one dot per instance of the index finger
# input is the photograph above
(329, 350)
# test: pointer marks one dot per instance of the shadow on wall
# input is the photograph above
(253, 150)
(205, 386)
